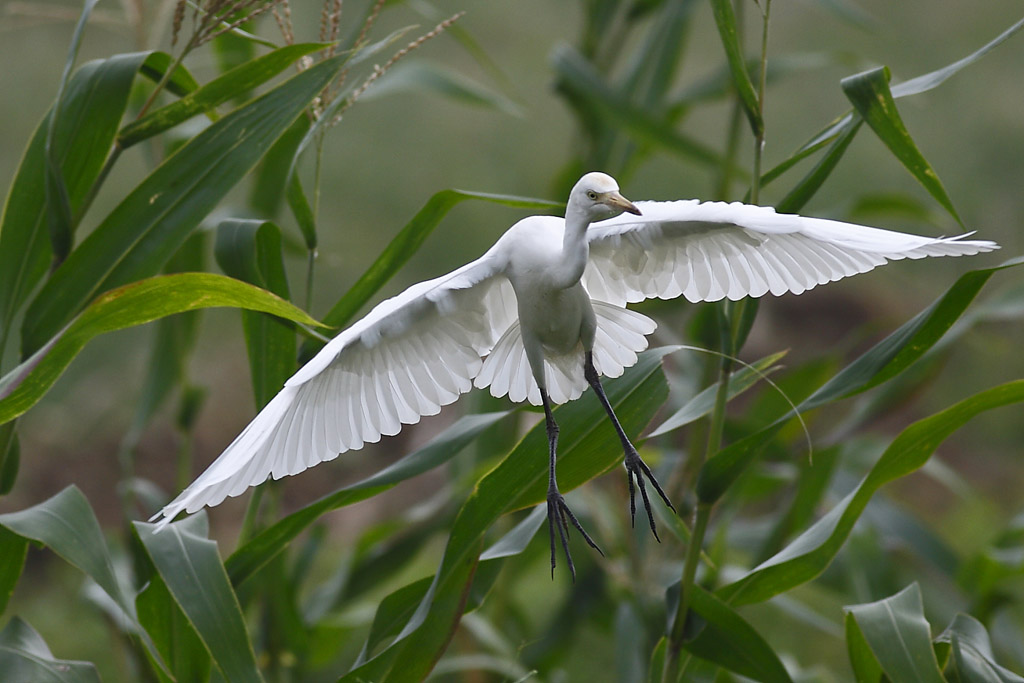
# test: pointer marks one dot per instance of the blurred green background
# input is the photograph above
(392, 152)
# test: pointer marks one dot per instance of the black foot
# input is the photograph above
(636, 470)
(558, 512)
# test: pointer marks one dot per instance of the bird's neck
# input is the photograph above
(575, 249)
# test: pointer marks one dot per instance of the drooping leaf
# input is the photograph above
(24, 656)
(802, 192)
(973, 660)
(899, 636)
(192, 571)
(149, 225)
(127, 306)
(869, 92)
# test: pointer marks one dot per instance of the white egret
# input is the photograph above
(539, 317)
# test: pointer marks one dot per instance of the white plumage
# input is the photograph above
(422, 349)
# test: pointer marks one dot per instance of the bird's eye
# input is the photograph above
(592, 195)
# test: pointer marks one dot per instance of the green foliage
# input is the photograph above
(790, 554)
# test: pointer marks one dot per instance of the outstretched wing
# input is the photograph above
(714, 250)
(408, 357)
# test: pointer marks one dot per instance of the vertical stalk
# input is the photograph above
(729, 317)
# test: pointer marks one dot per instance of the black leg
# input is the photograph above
(636, 468)
(559, 514)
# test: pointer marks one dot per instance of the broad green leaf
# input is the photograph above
(882, 362)
(811, 552)
(973, 660)
(173, 635)
(271, 175)
(725, 19)
(704, 402)
(250, 250)
(251, 556)
(90, 111)
(24, 656)
(192, 571)
(134, 304)
(899, 636)
(224, 88)
(181, 81)
(58, 200)
(408, 241)
(433, 79)
(10, 457)
(149, 225)
(13, 549)
(580, 78)
(730, 641)
(588, 448)
(802, 192)
(869, 92)
(866, 668)
(67, 525)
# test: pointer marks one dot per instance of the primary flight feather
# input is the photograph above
(539, 317)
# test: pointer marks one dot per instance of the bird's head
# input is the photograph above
(597, 196)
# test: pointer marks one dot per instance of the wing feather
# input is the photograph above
(409, 356)
(712, 250)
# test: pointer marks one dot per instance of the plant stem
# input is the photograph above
(671, 672)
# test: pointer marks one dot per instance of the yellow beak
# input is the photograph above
(616, 200)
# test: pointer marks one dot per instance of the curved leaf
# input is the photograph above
(725, 19)
(82, 135)
(810, 553)
(131, 305)
(224, 88)
(899, 636)
(145, 229)
(973, 660)
(24, 656)
(192, 571)
(869, 92)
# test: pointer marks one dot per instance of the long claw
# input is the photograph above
(559, 515)
(637, 469)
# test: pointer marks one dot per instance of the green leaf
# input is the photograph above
(802, 192)
(301, 211)
(13, 550)
(250, 250)
(90, 111)
(588, 448)
(58, 200)
(882, 362)
(271, 175)
(730, 641)
(10, 458)
(973, 660)
(725, 19)
(704, 402)
(176, 640)
(408, 242)
(181, 81)
(24, 656)
(191, 568)
(899, 636)
(581, 79)
(810, 553)
(869, 92)
(866, 668)
(138, 237)
(261, 549)
(431, 78)
(131, 305)
(224, 88)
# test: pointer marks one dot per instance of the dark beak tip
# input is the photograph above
(635, 211)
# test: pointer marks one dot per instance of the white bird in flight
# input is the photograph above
(539, 317)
